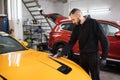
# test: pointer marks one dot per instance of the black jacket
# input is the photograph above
(89, 34)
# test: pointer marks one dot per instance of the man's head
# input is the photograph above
(76, 15)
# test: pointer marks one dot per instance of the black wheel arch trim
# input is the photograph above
(58, 43)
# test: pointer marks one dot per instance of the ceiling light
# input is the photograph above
(99, 10)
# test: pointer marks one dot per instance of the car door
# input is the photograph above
(110, 31)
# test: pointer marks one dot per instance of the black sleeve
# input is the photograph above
(103, 40)
(67, 49)
(73, 38)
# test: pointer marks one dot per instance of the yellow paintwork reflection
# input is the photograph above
(14, 59)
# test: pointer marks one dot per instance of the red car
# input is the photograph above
(61, 33)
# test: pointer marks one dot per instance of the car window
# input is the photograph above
(112, 30)
(109, 29)
(8, 44)
(67, 26)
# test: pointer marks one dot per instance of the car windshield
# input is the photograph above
(8, 44)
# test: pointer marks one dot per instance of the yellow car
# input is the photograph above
(20, 63)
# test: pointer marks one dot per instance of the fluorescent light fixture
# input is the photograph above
(84, 11)
(92, 11)
(104, 10)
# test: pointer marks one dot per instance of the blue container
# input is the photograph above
(4, 24)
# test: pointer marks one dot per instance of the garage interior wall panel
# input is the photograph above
(15, 18)
(98, 4)
(48, 7)
(0, 6)
(64, 8)
(25, 14)
(59, 7)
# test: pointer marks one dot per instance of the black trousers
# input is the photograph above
(90, 63)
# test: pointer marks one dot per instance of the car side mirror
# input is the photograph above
(117, 34)
(24, 43)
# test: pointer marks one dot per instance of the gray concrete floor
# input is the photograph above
(104, 75)
(110, 73)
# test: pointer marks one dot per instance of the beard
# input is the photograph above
(78, 22)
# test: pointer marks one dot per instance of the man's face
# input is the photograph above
(75, 18)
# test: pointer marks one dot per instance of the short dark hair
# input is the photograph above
(74, 10)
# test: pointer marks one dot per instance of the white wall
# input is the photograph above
(48, 7)
(94, 4)
(52, 7)
(59, 7)
(25, 14)
(64, 8)
(15, 18)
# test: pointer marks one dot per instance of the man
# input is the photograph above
(88, 32)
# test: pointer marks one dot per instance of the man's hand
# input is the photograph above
(102, 62)
(65, 51)
(56, 55)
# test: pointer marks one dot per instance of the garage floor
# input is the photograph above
(110, 73)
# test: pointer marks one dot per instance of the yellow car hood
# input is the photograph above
(35, 65)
